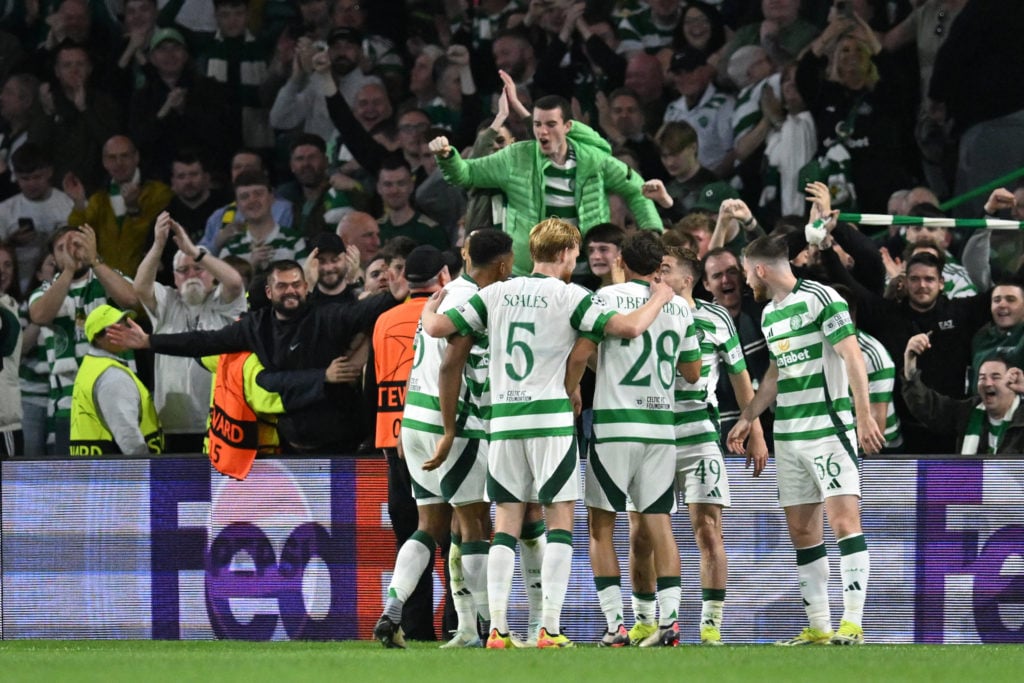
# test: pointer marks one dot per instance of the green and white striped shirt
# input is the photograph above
(814, 389)
(532, 323)
(956, 283)
(881, 379)
(65, 341)
(634, 394)
(34, 371)
(696, 403)
(286, 244)
(422, 406)
(747, 113)
(560, 189)
(639, 31)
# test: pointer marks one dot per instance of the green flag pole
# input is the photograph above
(983, 189)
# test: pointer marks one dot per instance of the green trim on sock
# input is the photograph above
(645, 596)
(808, 555)
(475, 548)
(560, 536)
(424, 538)
(853, 544)
(532, 530)
(712, 594)
(456, 539)
(664, 582)
(602, 582)
(504, 539)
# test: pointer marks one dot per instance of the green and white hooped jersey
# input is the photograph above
(638, 31)
(814, 389)
(634, 393)
(881, 379)
(64, 338)
(719, 343)
(747, 113)
(531, 324)
(422, 406)
(560, 189)
(284, 242)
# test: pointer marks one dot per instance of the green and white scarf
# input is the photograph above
(996, 429)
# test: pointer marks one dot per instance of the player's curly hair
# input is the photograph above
(642, 252)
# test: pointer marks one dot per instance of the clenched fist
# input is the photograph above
(439, 146)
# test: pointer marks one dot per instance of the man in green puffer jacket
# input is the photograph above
(566, 172)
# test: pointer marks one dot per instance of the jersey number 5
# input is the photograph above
(512, 345)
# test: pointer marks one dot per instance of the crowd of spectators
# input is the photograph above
(272, 130)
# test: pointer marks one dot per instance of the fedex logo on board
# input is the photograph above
(273, 553)
(970, 551)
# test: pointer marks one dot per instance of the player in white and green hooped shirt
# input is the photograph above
(532, 324)
(700, 480)
(881, 371)
(463, 400)
(632, 455)
(445, 485)
(816, 365)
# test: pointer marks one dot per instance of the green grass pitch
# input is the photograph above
(32, 661)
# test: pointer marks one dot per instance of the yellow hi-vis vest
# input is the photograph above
(89, 435)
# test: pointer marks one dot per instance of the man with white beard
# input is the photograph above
(196, 302)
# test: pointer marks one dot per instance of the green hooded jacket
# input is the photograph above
(517, 170)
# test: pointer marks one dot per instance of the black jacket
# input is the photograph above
(310, 341)
(952, 323)
(948, 416)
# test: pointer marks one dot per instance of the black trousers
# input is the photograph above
(418, 613)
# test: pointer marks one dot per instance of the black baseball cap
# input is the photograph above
(425, 262)
(687, 60)
(329, 243)
(350, 35)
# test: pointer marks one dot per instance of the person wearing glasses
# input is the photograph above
(207, 295)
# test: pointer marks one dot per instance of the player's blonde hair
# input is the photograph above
(549, 237)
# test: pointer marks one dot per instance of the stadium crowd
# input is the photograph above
(262, 183)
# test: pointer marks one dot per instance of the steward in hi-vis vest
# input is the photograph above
(242, 415)
(112, 412)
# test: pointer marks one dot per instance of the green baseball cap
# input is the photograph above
(713, 194)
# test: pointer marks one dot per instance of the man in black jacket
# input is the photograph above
(951, 323)
(292, 335)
